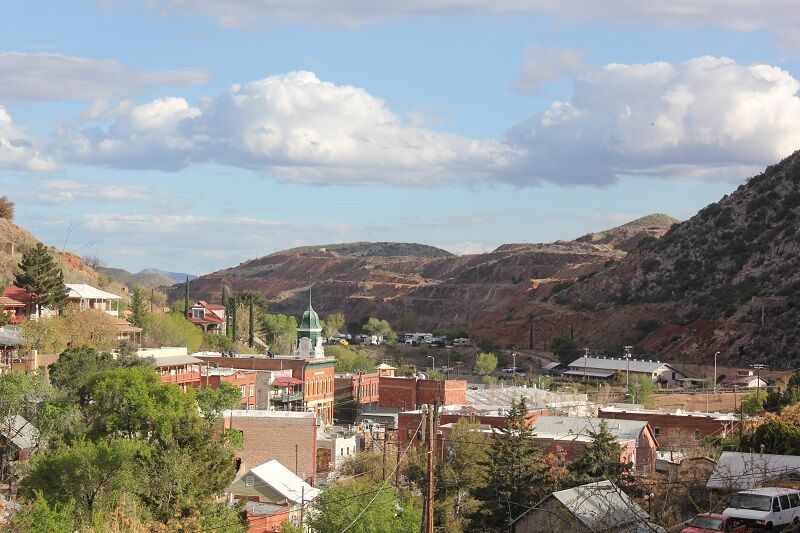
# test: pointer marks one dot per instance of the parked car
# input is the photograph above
(512, 370)
(708, 522)
(766, 508)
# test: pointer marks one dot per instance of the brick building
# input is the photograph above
(243, 380)
(315, 373)
(412, 393)
(666, 424)
(361, 387)
(182, 370)
(289, 437)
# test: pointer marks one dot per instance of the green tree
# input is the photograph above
(76, 367)
(485, 363)
(39, 275)
(19, 395)
(251, 329)
(123, 401)
(776, 435)
(334, 324)
(376, 326)
(92, 328)
(348, 360)
(600, 460)
(280, 331)
(247, 298)
(518, 475)
(565, 348)
(46, 335)
(214, 401)
(85, 472)
(213, 342)
(463, 475)
(410, 323)
(138, 308)
(41, 517)
(366, 506)
(753, 403)
(186, 299)
(641, 389)
(172, 329)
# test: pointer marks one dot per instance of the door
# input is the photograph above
(787, 513)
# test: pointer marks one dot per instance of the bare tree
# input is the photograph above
(6, 208)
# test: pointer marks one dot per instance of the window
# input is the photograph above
(696, 434)
(785, 502)
(794, 499)
(241, 388)
(252, 390)
(249, 481)
(775, 505)
(198, 313)
(657, 432)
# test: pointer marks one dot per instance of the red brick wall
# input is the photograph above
(666, 422)
(411, 393)
(275, 437)
(266, 524)
(237, 380)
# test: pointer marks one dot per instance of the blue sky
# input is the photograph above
(190, 136)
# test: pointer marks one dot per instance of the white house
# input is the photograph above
(606, 367)
(88, 297)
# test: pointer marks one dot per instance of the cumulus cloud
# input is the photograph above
(66, 191)
(294, 127)
(19, 152)
(777, 16)
(703, 118)
(545, 65)
(47, 76)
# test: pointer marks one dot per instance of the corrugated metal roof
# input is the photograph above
(82, 290)
(10, 336)
(589, 373)
(21, 432)
(573, 427)
(739, 470)
(177, 360)
(284, 482)
(601, 506)
(600, 363)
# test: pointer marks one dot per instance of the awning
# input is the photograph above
(285, 381)
(589, 373)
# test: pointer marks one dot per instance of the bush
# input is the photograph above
(6, 208)
(348, 360)
(171, 329)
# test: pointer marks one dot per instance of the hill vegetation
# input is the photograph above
(371, 249)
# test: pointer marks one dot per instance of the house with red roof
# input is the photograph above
(208, 317)
(18, 303)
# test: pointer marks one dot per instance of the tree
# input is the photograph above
(641, 389)
(47, 335)
(377, 509)
(6, 208)
(39, 275)
(172, 329)
(518, 475)
(186, 299)
(410, 323)
(777, 436)
(334, 324)
(376, 326)
(213, 401)
(280, 331)
(485, 363)
(92, 328)
(213, 342)
(753, 403)
(564, 348)
(76, 367)
(247, 298)
(19, 395)
(138, 308)
(600, 460)
(251, 329)
(463, 475)
(348, 360)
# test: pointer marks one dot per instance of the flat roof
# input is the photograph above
(589, 373)
(263, 413)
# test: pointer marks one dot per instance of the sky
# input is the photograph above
(191, 135)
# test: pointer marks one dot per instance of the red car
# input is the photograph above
(708, 522)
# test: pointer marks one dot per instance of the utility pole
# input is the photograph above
(396, 470)
(431, 417)
(585, 357)
(715, 372)
(302, 503)
(385, 445)
(758, 367)
(628, 367)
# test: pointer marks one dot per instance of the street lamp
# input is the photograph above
(715, 372)
(628, 365)
(433, 362)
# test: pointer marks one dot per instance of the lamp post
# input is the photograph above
(628, 366)
(433, 362)
(585, 358)
(715, 372)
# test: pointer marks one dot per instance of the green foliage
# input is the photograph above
(76, 367)
(565, 348)
(172, 329)
(410, 322)
(376, 326)
(92, 328)
(518, 476)
(463, 475)
(39, 275)
(641, 389)
(214, 342)
(334, 324)
(46, 335)
(280, 331)
(485, 363)
(777, 436)
(379, 510)
(600, 460)
(214, 401)
(435, 374)
(41, 517)
(753, 403)
(138, 308)
(349, 360)
(248, 298)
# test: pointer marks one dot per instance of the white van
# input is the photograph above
(767, 508)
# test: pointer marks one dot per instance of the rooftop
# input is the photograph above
(82, 290)
(176, 360)
(600, 506)
(614, 364)
(740, 470)
(579, 428)
(284, 482)
(21, 432)
(262, 413)
(621, 408)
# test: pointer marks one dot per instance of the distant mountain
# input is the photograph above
(174, 276)
(371, 249)
(143, 279)
(628, 236)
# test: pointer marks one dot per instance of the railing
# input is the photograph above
(287, 397)
(186, 377)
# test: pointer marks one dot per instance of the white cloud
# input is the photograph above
(545, 65)
(47, 76)
(466, 247)
(65, 191)
(19, 152)
(703, 118)
(294, 127)
(780, 17)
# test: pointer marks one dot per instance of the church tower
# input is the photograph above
(309, 334)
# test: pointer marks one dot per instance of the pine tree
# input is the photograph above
(224, 302)
(138, 308)
(600, 460)
(234, 307)
(186, 300)
(39, 275)
(518, 475)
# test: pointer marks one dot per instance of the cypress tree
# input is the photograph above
(252, 327)
(39, 275)
(186, 299)
(600, 460)
(234, 307)
(224, 302)
(138, 308)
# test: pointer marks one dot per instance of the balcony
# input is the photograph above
(186, 377)
(286, 396)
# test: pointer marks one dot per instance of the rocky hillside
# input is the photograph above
(130, 279)
(628, 236)
(726, 280)
(16, 237)
(371, 249)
